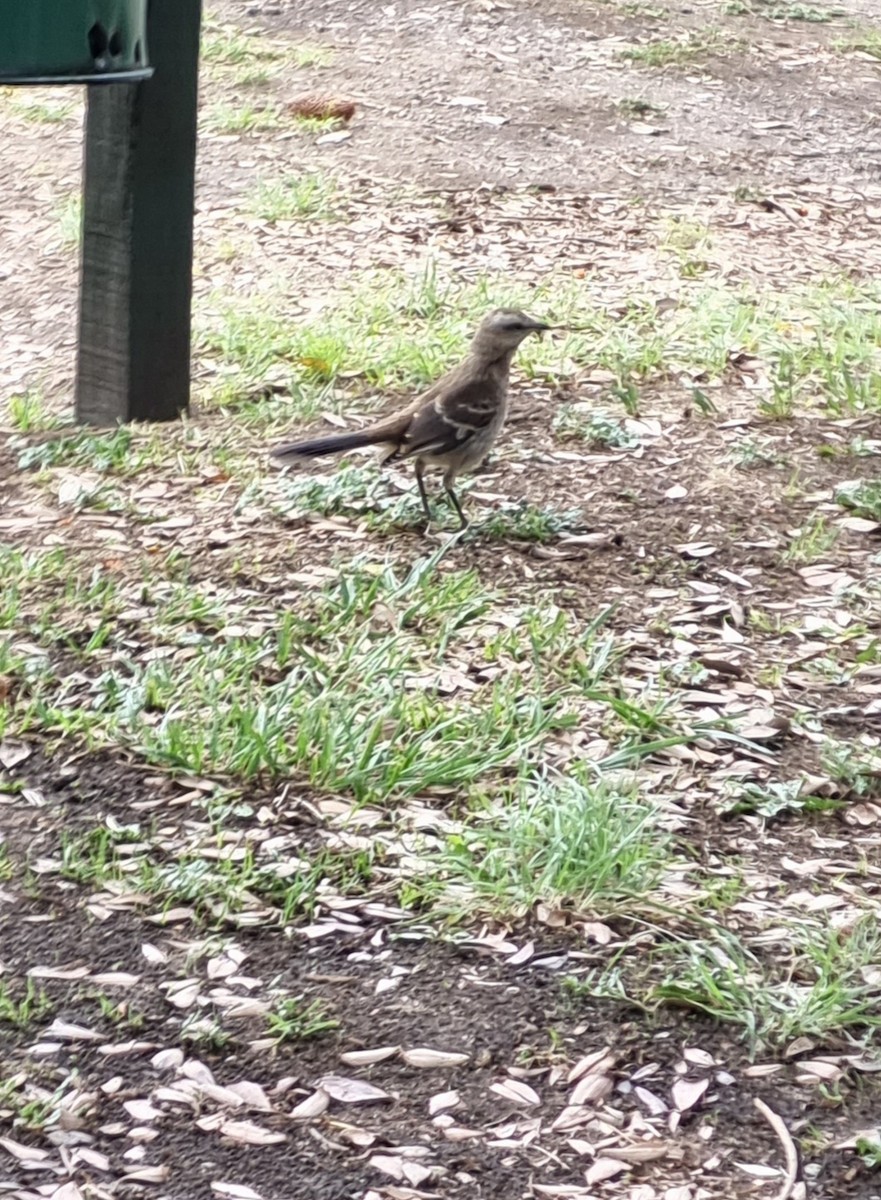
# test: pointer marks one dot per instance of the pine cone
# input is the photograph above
(324, 108)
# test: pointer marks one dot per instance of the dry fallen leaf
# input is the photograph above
(688, 1092)
(12, 753)
(147, 1174)
(590, 1062)
(364, 1058)
(142, 1110)
(234, 1191)
(351, 1091)
(425, 1057)
(312, 1106)
(604, 1168)
(442, 1102)
(249, 1134)
(71, 1033)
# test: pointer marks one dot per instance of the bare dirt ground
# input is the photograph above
(147, 930)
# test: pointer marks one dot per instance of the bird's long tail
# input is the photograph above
(389, 432)
(334, 443)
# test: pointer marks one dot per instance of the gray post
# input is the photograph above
(137, 257)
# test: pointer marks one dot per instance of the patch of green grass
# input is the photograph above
(593, 426)
(869, 1151)
(639, 8)
(863, 497)
(812, 541)
(292, 1019)
(684, 233)
(218, 889)
(773, 11)
(818, 345)
(385, 329)
(688, 240)
(33, 1107)
(348, 693)
(338, 711)
(748, 453)
(820, 984)
(684, 51)
(249, 117)
(29, 413)
(363, 492)
(856, 769)
(631, 106)
(43, 106)
(561, 840)
(529, 522)
(119, 1012)
(772, 800)
(312, 56)
(297, 197)
(316, 125)
(821, 991)
(23, 1011)
(205, 1033)
(102, 452)
(866, 40)
(229, 48)
(70, 221)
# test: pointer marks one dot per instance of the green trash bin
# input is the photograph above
(73, 41)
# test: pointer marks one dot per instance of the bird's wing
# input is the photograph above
(445, 421)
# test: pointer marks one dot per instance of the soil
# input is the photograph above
(777, 107)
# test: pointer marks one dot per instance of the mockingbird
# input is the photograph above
(455, 423)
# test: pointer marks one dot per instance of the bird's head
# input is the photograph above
(504, 329)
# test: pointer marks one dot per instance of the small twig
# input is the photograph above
(771, 205)
(789, 1150)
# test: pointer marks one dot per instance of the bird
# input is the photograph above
(454, 424)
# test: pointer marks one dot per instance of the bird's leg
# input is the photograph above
(420, 470)
(454, 500)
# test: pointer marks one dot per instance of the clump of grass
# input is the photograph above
(291, 1019)
(867, 40)
(862, 497)
(822, 990)
(22, 1011)
(819, 985)
(815, 538)
(561, 840)
(70, 221)
(530, 522)
(296, 197)
(747, 454)
(33, 1107)
(639, 8)
(362, 492)
(250, 117)
(775, 799)
(634, 107)
(303, 700)
(593, 426)
(100, 451)
(664, 52)
(772, 11)
(43, 106)
(29, 412)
